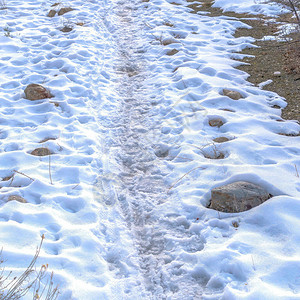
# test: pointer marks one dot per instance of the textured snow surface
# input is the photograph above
(250, 6)
(126, 216)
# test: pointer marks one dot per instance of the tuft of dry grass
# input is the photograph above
(18, 287)
(292, 57)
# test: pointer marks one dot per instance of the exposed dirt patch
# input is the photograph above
(269, 57)
(275, 60)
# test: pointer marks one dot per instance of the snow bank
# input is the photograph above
(250, 6)
(68, 212)
(254, 254)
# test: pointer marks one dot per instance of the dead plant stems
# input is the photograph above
(297, 173)
(23, 174)
(293, 7)
(50, 169)
(184, 176)
(18, 287)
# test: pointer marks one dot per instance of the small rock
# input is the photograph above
(64, 10)
(277, 74)
(36, 92)
(66, 29)
(235, 224)
(41, 152)
(216, 122)
(216, 155)
(221, 139)
(172, 52)
(237, 197)
(51, 13)
(162, 151)
(16, 198)
(232, 94)
(168, 41)
(227, 109)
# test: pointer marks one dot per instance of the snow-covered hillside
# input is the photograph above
(122, 199)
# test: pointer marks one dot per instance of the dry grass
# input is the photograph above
(17, 287)
(292, 57)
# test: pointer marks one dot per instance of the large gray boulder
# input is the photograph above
(237, 197)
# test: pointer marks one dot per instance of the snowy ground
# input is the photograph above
(126, 216)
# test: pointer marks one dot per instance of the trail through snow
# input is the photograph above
(139, 186)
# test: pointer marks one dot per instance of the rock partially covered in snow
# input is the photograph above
(217, 122)
(221, 139)
(16, 198)
(51, 13)
(237, 197)
(36, 92)
(232, 94)
(64, 10)
(41, 152)
(277, 74)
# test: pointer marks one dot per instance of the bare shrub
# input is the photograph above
(41, 284)
(291, 50)
(292, 57)
(292, 5)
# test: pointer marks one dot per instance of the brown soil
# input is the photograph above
(274, 56)
(270, 56)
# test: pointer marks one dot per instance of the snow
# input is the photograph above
(250, 6)
(126, 216)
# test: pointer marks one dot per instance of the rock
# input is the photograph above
(232, 94)
(51, 13)
(237, 197)
(16, 198)
(66, 29)
(277, 74)
(172, 52)
(168, 41)
(64, 10)
(162, 151)
(215, 155)
(36, 92)
(227, 109)
(41, 152)
(218, 122)
(221, 139)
